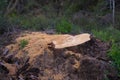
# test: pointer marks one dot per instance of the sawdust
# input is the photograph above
(39, 61)
(37, 43)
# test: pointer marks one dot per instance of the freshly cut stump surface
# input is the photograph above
(70, 41)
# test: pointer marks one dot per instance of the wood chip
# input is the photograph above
(11, 67)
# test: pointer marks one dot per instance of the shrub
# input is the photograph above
(4, 25)
(101, 7)
(23, 43)
(112, 35)
(114, 53)
(30, 22)
(3, 4)
(64, 26)
(107, 34)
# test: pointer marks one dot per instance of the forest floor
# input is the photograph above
(35, 59)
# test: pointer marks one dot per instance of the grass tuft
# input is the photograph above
(23, 43)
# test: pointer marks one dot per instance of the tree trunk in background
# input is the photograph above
(110, 4)
(113, 13)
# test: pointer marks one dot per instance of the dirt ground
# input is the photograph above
(39, 61)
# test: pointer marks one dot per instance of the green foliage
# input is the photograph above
(115, 54)
(30, 4)
(71, 9)
(4, 25)
(87, 24)
(23, 43)
(112, 35)
(3, 4)
(107, 34)
(101, 7)
(31, 22)
(103, 35)
(64, 26)
(90, 26)
(35, 23)
(15, 19)
(77, 5)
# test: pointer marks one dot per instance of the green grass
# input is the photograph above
(114, 54)
(107, 34)
(23, 43)
(35, 23)
(112, 35)
(64, 26)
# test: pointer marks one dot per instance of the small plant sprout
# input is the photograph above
(23, 43)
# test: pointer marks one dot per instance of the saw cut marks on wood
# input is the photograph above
(70, 41)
